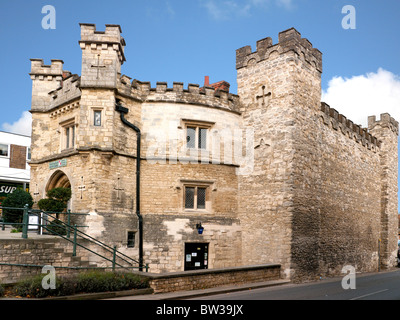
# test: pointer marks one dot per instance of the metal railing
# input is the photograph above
(47, 218)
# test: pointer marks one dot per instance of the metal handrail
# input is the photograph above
(116, 254)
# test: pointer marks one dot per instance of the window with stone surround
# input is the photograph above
(68, 129)
(197, 133)
(196, 195)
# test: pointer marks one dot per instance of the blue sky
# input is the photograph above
(184, 40)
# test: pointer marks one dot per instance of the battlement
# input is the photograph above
(338, 121)
(289, 40)
(41, 71)
(102, 40)
(206, 96)
(386, 121)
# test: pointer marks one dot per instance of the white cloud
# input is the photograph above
(22, 126)
(365, 95)
(170, 9)
(224, 10)
(285, 3)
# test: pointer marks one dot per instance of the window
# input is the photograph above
(70, 137)
(28, 154)
(196, 137)
(196, 133)
(97, 118)
(131, 239)
(4, 150)
(68, 134)
(195, 197)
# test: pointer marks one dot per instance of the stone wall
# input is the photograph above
(39, 252)
(203, 279)
(335, 221)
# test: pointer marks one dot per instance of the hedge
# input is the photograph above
(87, 282)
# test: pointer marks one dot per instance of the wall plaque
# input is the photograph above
(58, 164)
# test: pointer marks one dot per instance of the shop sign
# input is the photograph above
(7, 188)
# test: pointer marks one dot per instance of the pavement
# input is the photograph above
(7, 235)
(181, 295)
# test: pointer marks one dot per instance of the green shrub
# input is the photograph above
(16, 229)
(18, 199)
(86, 282)
(32, 288)
(56, 200)
(57, 227)
(97, 281)
(1, 290)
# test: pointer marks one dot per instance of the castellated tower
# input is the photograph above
(319, 187)
(77, 134)
(45, 78)
(102, 55)
(279, 86)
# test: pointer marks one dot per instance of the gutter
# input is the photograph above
(123, 111)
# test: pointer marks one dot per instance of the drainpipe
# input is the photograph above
(122, 110)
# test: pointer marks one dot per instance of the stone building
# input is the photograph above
(271, 174)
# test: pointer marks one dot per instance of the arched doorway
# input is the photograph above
(59, 180)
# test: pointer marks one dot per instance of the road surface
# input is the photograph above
(377, 286)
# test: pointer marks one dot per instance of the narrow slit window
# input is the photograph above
(97, 118)
(69, 136)
(131, 239)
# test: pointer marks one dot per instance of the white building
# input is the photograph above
(14, 167)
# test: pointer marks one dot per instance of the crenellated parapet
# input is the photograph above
(45, 78)
(41, 71)
(386, 121)
(102, 55)
(193, 94)
(103, 40)
(289, 40)
(64, 95)
(337, 121)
